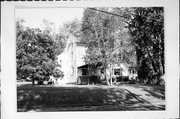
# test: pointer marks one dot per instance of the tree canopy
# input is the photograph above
(106, 38)
(36, 52)
(126, 35)
(146, 27)
(134, 36)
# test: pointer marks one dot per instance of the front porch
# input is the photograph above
(119, 73)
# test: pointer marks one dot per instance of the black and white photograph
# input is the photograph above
(90, 59)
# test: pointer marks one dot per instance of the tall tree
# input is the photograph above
(36, 53)
(49, 28)
(146, 27)
(70, 28)
(106, 39)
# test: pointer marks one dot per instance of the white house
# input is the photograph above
(73, 65)
(70, 59)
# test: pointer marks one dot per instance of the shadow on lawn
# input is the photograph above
(42, 98)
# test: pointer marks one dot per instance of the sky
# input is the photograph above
(34, 16)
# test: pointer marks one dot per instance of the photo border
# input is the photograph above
(8, 60)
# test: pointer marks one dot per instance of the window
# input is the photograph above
(72, 70)
(132, 71)
(117, 72)
(60, 62)
(84, 72)
(72, 55)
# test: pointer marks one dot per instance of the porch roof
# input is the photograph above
(83, 66)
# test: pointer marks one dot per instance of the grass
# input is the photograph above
(90, 98)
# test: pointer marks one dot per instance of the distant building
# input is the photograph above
(73, 65)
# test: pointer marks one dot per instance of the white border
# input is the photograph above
(8, 60)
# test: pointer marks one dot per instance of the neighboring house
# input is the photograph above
(74, 67)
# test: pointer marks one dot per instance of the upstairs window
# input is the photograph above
(72, 54)
(72, 70)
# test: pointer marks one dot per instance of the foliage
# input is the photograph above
(106, 39)
(146, 28)
(71, 28)
(50, 29)
(117, 35)
(57, 73)
(36, 53)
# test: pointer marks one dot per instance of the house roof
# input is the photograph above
(83, 66)
(90, 65)
(80, 43)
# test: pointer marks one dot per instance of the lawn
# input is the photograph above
(125, 97)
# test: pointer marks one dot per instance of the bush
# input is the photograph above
(40, 82)
(57, 73)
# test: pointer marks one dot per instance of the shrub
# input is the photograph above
(57, 73)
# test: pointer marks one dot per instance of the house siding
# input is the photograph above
(70, 59)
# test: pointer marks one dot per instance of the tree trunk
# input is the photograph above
(152, 62)
(109, 76)
(88, 74)
(162, 54)
(105, 71)
(107, 82)
(106, 77)
(33, 81)
(111, 81)
(110, 73)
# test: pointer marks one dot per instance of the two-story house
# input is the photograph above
(73, 65)
(71, 59)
